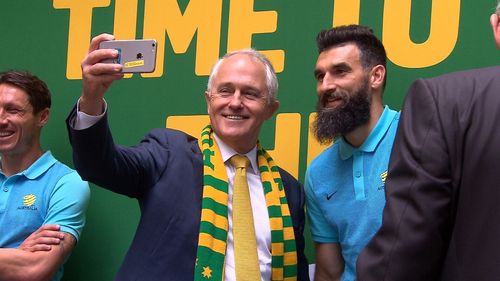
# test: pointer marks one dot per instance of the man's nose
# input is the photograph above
(3, 116)
(327, 84)
(236, 99)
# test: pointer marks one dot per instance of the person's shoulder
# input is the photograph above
(326, 155)
(467, 75)
(286, 176)
(61, 179)
(67, 174)
(61, 168)
(462, 88)
(169, 133)
(290, 183)
(171, 137)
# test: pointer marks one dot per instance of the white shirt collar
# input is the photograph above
(227, 152)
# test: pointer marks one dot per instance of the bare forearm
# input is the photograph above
(326, 275)
(19, 265)
(329, 262)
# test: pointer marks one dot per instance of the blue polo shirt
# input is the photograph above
(345, 191)
(48, 192)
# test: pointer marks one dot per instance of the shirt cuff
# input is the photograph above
(83, 120)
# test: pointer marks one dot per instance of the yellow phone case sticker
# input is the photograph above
(134, 63)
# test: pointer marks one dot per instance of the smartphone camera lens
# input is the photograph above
(153, 44)
(139, 56)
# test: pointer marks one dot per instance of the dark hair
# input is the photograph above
(37, 91)
(372, 51)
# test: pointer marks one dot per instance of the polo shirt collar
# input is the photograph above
(374, 138)
(227, 152)
(39, 167)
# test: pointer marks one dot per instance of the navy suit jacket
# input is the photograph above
(442, 216)
(164, 172)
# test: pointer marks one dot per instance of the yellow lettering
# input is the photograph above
(314, 148)
(190, 124)
(202, 17)
(80, 22)
(346, 12)
(125, 19)
(287, 142)
(443, 34)
(243, 22)
(287, 137)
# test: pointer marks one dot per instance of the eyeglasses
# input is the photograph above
(245, 95)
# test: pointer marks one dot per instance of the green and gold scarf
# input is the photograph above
(214, 224)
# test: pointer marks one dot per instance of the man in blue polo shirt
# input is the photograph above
(42, 201)
(345, 183)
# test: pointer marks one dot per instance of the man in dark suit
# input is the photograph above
(441, 220)
(185, 185)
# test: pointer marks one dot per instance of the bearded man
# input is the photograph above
(345, 183)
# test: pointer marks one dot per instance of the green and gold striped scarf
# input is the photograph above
(214, 224)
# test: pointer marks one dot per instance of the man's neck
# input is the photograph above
(239, 147)
(15, 163)
(358, 136)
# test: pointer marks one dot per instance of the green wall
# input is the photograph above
(36, 35)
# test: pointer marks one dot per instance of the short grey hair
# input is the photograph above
(271, 79)
(497, 10)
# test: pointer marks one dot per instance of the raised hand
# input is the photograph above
(98, 76)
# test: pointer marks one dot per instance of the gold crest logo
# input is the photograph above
(383, 176)
(29, 200)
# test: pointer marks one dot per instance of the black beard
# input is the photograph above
(333, 122)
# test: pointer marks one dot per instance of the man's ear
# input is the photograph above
(377, 76)
(495, 25)
(43, 117)
(207, 100)
(273, 107)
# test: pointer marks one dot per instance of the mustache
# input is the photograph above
(338, 94)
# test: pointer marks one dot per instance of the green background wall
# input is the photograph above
(35, 37)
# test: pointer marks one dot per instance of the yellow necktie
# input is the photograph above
(245, 246)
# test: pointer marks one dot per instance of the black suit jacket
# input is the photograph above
(165, 174)
(442, 216)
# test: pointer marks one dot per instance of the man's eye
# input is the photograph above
(251, 95)
(320, 77)
(340, 72)
(225, 91)
(13, 110)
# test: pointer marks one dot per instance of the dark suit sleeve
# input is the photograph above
(295, 198)
(125, 170)
(412, 240)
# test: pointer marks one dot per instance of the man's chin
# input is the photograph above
(232, 135)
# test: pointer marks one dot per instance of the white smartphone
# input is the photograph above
(136, 56)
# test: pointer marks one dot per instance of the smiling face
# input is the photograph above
(19, 126)
(238, 101)
(339, 70)
(344, 93)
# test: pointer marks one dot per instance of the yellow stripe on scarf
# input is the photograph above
(210, 242)
(215, 194)
(217, 220)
